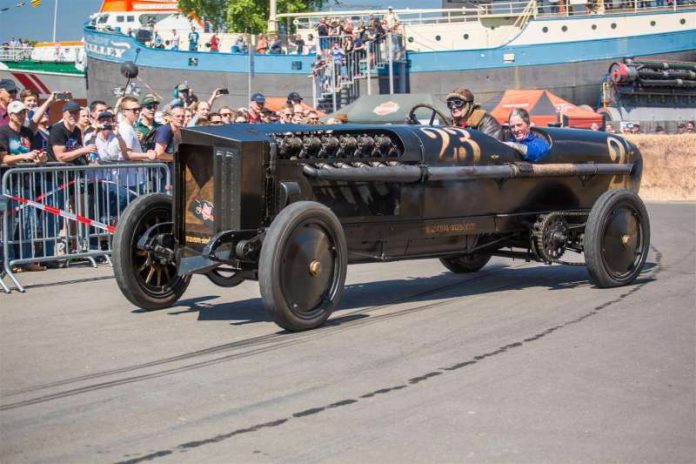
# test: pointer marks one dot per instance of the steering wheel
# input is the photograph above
(411, 118)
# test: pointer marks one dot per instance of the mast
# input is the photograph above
(272, 20)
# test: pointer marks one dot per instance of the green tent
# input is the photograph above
(388, 109)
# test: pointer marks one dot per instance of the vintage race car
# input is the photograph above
(291, 206)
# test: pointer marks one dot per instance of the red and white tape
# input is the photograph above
(66, 214)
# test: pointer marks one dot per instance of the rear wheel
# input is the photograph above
(302, 267)
(471, 262)
(617, 238)
(148, 280)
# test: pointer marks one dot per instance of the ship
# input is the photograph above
(566, 48)
(46, 67)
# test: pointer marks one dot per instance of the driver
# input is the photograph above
(467, 115)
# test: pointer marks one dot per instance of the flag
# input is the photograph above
(35, 3)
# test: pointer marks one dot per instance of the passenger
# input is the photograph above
(468, 115)
(532, 147)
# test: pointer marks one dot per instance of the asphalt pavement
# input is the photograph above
(518, 363)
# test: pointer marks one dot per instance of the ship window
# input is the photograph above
(410, 39)
(103, 19)
(682, 21)
(119, 19)
(545, 29)
(564, 28)
(613, 25)
(437, 37)
(652, 23)
(466, 36)
(594, 27)
(130, 19)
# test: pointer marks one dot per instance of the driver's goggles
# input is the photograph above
(456, 103)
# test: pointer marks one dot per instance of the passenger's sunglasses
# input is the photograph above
(226, 115)
(135, 110)
(150, 107)
(456, 103)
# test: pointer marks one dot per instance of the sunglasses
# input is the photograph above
(456, 103)
(226, 115)
(136, 109)
(150, 107)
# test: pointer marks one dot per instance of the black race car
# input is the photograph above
(291, 206)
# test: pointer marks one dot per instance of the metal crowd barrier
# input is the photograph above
(56, 214)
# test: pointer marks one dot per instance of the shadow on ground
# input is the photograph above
(442, 286)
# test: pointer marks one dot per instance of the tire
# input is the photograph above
(134, 269)
(303, 265)
(617, 239)
(463, 264)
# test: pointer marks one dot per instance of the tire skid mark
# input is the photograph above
(183, 447)
(240, 344)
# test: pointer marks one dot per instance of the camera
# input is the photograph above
(64, 96)
(107, 126)
(223, 92)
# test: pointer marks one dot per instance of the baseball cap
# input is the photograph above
(71, 106)
(149, 101)
(8, 84)
(182, 87)
(16, 107)
(294, 96)
(105, 115)
(258, 98)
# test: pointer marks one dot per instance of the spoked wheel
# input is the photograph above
(302, 267)
(411, 118)
(147, 279)
(617, 238)
(466, 263)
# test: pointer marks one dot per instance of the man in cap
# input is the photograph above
(256, 107)
(294, 98)
(181, 95)
(16, 139)
(16, 147)
(8, 92)
(65, 138)
(147, 125)
(468, 115)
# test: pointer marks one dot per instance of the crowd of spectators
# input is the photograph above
(684, 127)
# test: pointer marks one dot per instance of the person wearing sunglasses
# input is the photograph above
(226, 114)
(146, 125)
(8, 92)
(130, 111)
(466, 114)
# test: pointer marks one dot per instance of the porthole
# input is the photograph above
(613, 25)
(410, 39)
(652, 23)
(466, 36)
(544, 29)
(492, 28)
(564, 28)
(594, 27)
(682, 21)
(437, 37)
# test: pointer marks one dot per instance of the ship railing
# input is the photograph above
(16, 53)
(304, 22)
(339, 80)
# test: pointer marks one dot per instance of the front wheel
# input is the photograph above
(302, 267)
(146, 279)
(617, 238)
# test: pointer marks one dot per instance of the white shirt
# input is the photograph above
(108, 150)
(128, 134)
